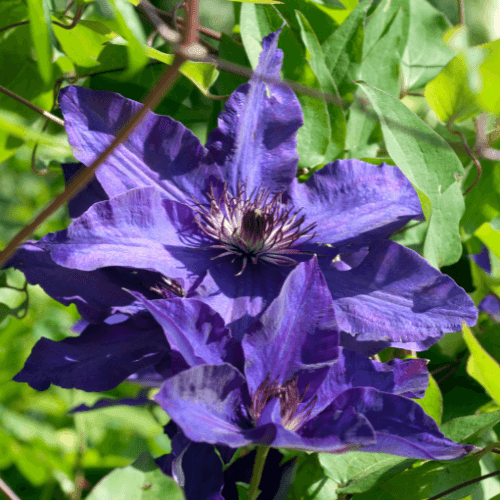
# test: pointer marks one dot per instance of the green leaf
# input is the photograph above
(242, 490)
(379, 68)
(483, 208)
(431, 165)
(84, 42)
(310, 481)
(229, 50)
(490, 237)
(432, 403)
(16, 126)
(425, 52)
(120, 17)
(39, 16)
(357, 471)
(489, 94)
(433, 478)
(313, 138)
(201, 74)
(256, 23)
(319, 16)
(343, 49)
(140, 481)
(4, 311)
(449, 94)
(319, 68)
(481, 366)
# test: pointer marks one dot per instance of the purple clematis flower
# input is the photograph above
(299, 388)
(227, 222)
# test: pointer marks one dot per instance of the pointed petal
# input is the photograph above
(206, 405)
(160, 151)
(490, 305)
(192, 328)
(137, 229)
(334, 432)
(99, 359)
(255, 141)
(296, 332)
(94, 293)
(482, 259)
(394, 295)
(408, 377)
(199, 482)
(401, 426)
(84, 199)
(354, 202)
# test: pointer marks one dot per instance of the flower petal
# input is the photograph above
(408, 377)
(239, 299)
(193, 329)
(296, 332)
(84, 199)
(490, 305)
(394, 295)
(355, 202)
(99, 359)
(255, 142)
(197, 469)
(94, 293)
(137, 229)
(206, 404)
(401, 426)
(334, 432)
(160, 151)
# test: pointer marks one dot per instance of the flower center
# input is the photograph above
(253, 227)
(289, 398)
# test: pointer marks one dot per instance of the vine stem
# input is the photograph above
(463, 485)
(258, 468)
(5, 489)
(32, 106)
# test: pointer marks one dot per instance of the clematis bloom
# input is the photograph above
(227, 222)
(297, 388)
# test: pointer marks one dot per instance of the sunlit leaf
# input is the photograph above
(39, 15)
(489, 94)
(379, 67)
(16, 126)
(343, 49)
(431, 165)
(433, 478)
(84, 42)
(432, 403)
(319, 68)
(481, 366)
(449, 94)
(357, 471)
(201, 74)
(140, 481)
(120, 17)
(426, 52)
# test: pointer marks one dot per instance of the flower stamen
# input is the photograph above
(253, 227)
(289, 397)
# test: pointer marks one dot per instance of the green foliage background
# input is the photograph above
(418, 70)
